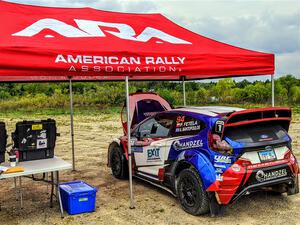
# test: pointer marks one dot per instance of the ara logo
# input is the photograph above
(187, 144)
(153, 154)
(222, 159)
(91, 28)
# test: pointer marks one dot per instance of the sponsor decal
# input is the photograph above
(41, 143)
(137, 149)
(97, 29)
(262, 176)
(42, 134)
(219, 166)
(267, 164)
(222, 159)
(147, 114)
(178, 145)
(236, 168)
(219, 170)
(24, 140)
(37, 126)
(219, 177)
(153, 154)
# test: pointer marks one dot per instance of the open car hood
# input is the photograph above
(142, 105)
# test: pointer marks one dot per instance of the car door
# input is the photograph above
(151, 147)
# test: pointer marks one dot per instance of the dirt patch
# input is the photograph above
(153, 206)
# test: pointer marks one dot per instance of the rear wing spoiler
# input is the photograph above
(249, 116)
(281, 115)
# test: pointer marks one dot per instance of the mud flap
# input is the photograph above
(295, 187)
(215, 208)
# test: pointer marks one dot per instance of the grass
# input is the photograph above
(92, 111)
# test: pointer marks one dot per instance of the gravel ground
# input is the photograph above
(153, 206)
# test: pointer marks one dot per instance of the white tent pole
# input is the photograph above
(183, 87)
(129, 144)
(72, 124)
(273, 91)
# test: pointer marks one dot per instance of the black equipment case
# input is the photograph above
(35, 139)
(3, 141)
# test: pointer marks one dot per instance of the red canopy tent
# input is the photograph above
(57, 44)
(60, 42)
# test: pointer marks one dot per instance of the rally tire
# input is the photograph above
(193, 199)
(118, 163)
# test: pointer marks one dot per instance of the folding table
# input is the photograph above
(43, 166)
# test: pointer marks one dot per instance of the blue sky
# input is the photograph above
(262, 25)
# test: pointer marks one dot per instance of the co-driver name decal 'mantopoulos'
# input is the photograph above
(98, 63)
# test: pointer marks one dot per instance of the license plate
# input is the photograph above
(267, 155)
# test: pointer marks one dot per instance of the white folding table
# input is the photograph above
(43, 166)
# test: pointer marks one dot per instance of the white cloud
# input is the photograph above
(288, 63)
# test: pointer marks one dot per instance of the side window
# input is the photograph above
(187, 125)
(158, 126)
(145, 128)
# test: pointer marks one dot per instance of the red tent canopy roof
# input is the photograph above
(46, 43)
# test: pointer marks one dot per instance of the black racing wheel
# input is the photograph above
(118, 163)
(191, 195)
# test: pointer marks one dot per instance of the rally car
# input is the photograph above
(207, 156)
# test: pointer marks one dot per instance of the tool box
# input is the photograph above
(35, 139)
(78, 197)
(3, 141)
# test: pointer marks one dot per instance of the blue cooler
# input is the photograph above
(78, 197)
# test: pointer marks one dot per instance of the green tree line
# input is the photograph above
(106, 94)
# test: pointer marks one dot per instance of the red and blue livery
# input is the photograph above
(208, 157)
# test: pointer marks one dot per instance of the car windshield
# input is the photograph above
(255, 133)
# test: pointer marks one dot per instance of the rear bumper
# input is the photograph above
(289, 182)
(281, 177)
